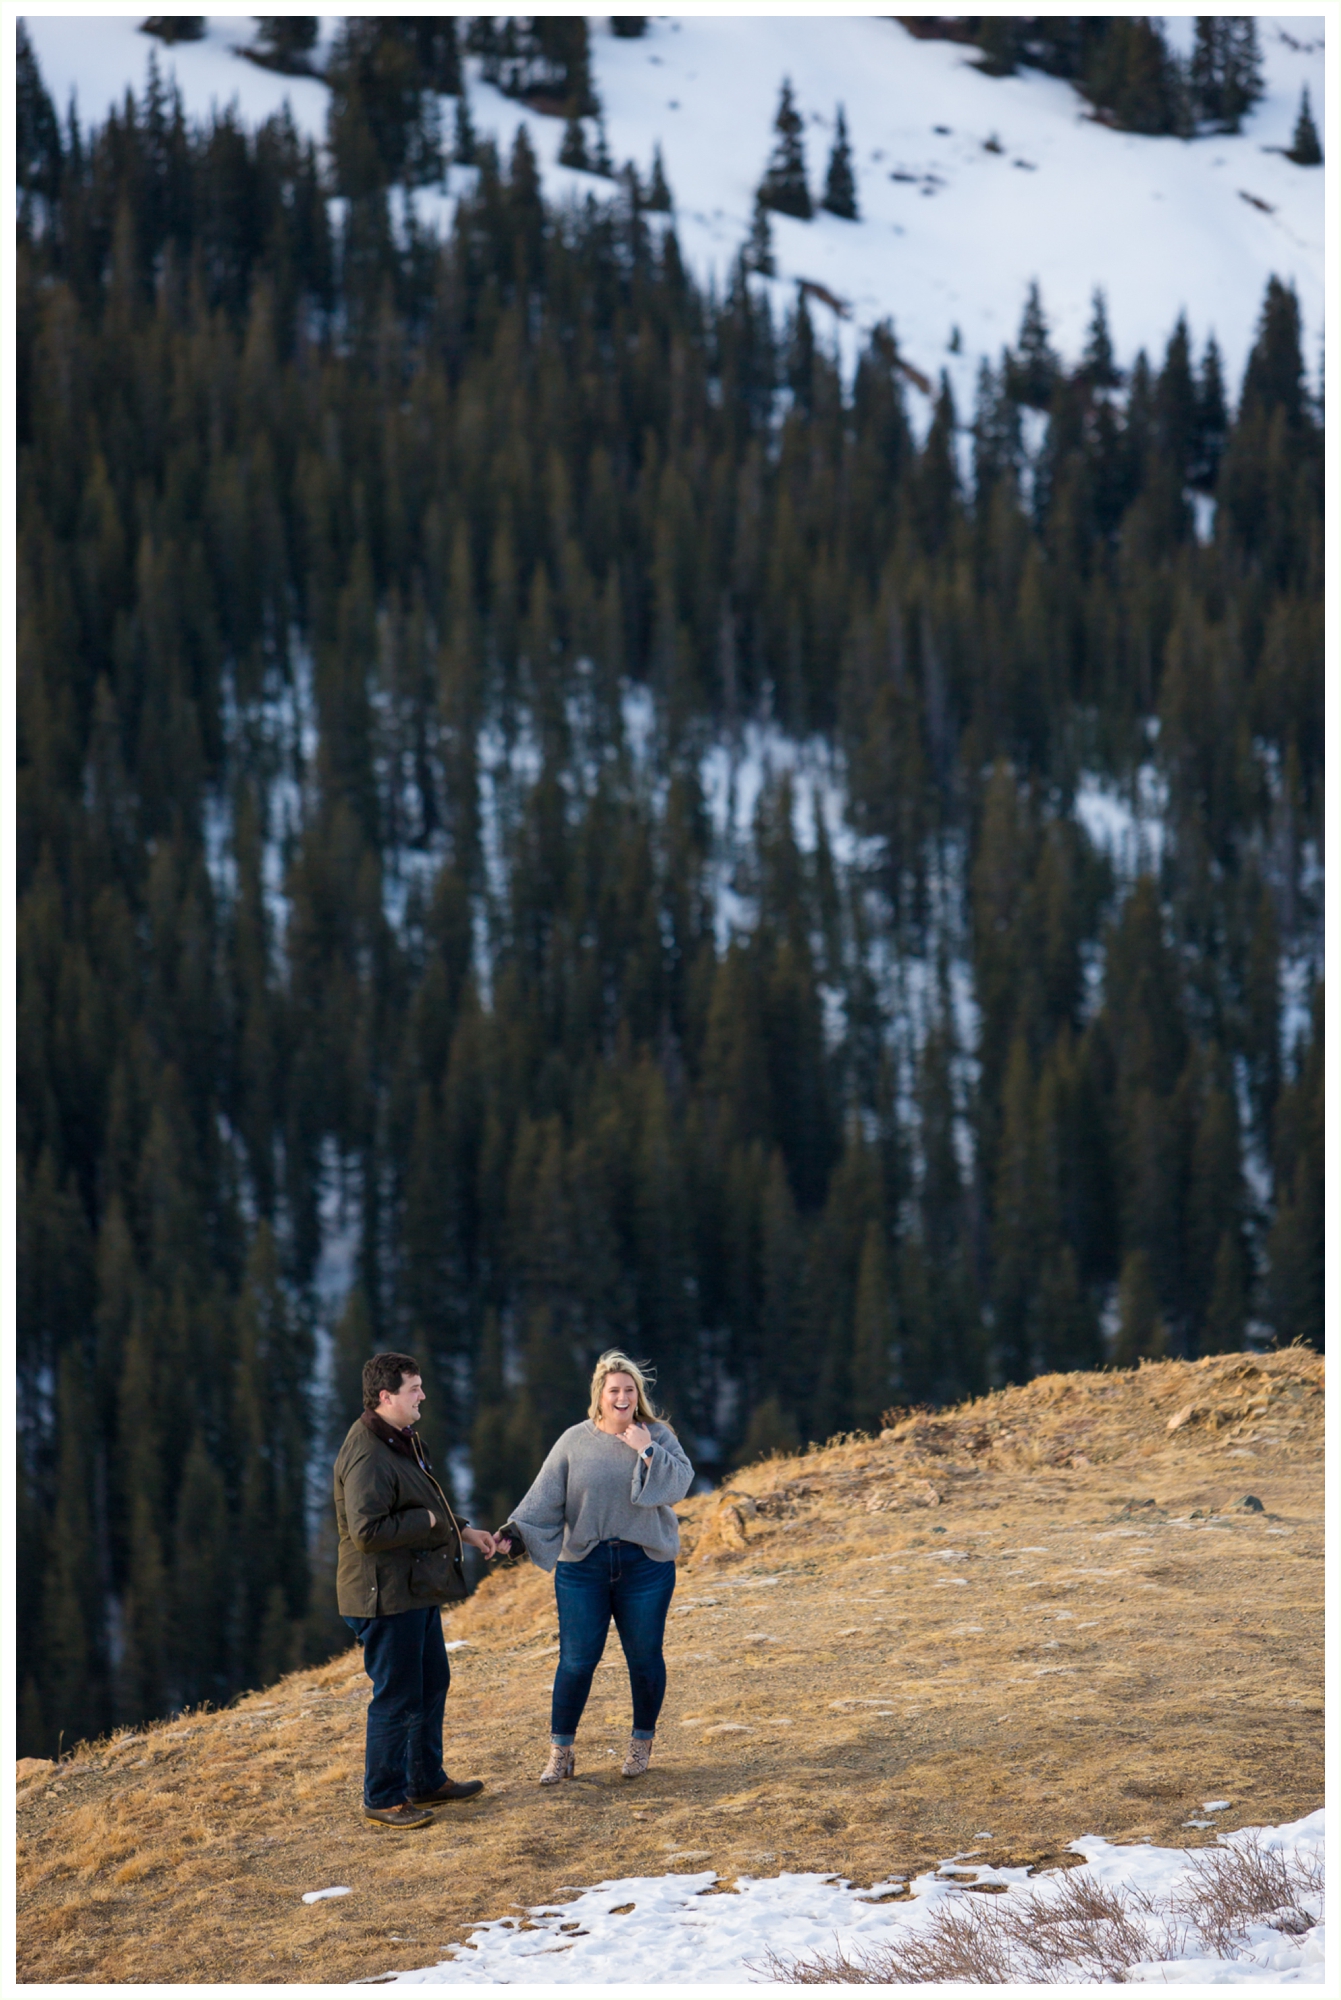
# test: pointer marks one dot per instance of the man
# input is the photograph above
(399, 1563)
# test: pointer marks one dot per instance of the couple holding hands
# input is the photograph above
(599, 1515)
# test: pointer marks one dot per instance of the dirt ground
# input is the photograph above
(1042, 1615)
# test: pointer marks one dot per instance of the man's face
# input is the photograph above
(402, 1409)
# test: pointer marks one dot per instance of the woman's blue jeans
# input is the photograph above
(616, 1580)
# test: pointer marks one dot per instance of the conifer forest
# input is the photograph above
(384, 978)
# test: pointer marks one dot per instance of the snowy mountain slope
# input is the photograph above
(951, 231)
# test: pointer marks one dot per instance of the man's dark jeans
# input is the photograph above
(406, 1661)
(616, 1580)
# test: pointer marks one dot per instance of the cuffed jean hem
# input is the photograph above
(564, 1742)
(642, 1735)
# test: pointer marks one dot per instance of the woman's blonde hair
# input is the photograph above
(615, 1362)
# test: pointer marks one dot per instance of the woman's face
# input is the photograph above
(619, 1400)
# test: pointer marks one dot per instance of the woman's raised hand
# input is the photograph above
(638, 1436)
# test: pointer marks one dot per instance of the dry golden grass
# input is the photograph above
(1037, 1616)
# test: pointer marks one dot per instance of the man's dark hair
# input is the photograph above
(386, 1371)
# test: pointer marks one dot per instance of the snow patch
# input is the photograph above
(678, 1931)
(950, 233)
(1125, 822)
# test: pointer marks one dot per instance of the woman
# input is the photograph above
(600, 1515)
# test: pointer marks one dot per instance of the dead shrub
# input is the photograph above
(1080, 1929)
(1245, 1882)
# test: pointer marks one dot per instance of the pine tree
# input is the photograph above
(658, 195)
(1098, 362)
(201, 1586)
(1131, 75)
(1031, 372)
(757, 252)
(1296, 1244)
(1305, 146)
(872, 1333)
(1001, 39)
(465, 145)
(1225, 74)
(172, 28)
(771, 1430)
(1212, 419)
(37, 138)
(1227, 1308)
(573, 151)
(1241, 82)
(1141, 1332)
(1065, 1328)
(784, 186)
(286, 41)
(840, 187)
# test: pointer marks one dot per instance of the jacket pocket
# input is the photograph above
(437, 1576)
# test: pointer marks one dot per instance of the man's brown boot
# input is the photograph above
(466, 1788)
(403, 1815)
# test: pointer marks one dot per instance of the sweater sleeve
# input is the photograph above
(539, 1517)
(664, 1478)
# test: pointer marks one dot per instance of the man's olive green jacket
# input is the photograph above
(383, 1498)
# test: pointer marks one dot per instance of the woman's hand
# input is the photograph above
(637, 1436)
(481, 1539)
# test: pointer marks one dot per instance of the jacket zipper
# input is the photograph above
(460, 1544)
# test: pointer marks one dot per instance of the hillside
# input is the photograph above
(969, 185)
(1134, 1635)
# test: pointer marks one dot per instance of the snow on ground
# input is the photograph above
(678, 1933)
(1125, 821)
(951, 232)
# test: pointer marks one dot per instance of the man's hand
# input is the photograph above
(481, 1539)
(637, 1436)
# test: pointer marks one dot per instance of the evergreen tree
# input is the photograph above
(573, 151)
(1305, 146)
(771, 1430)
(1296, 1243)
(1032, 370)
(172, 28)
(784, 185)
(1225, 74)
(286, 41)
(1131, 76)
(757, 251)
(1212, 419)
(37, 138)
(872, 1333)
(383, 122)
(1240, 81)
(1141, 1332)
(1098, 362)
(658, 196)
(1001, 39)
(840, 186)
(464, 142)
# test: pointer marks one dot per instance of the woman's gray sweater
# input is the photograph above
(595, 1488)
